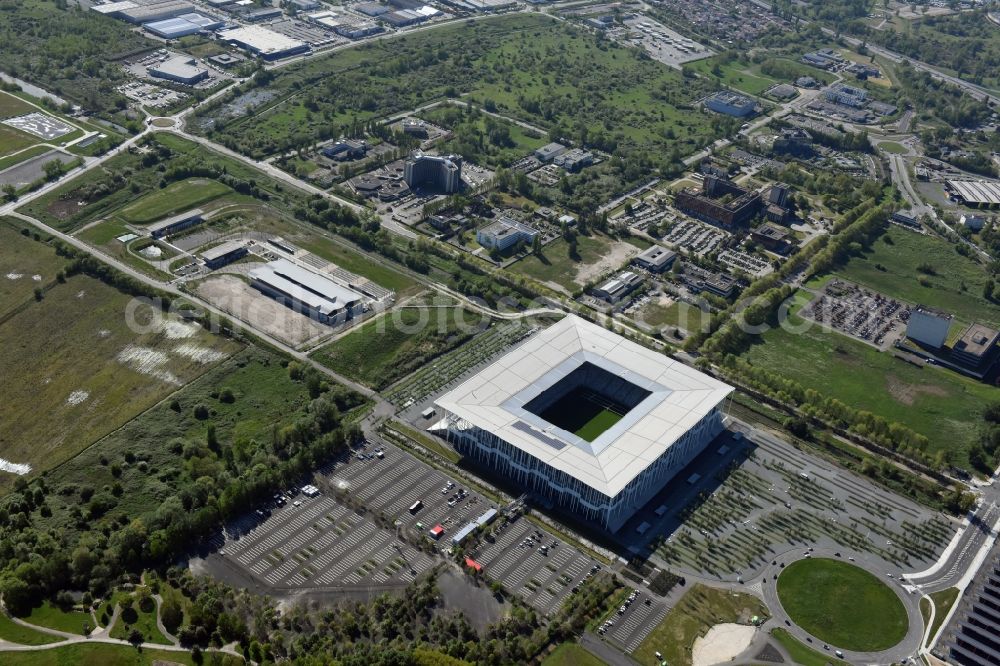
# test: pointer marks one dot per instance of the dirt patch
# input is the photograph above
(236, 297)
(148, 362)
(907, 394)
(77, 397)
(64, 208)
(722, 643)
(199, 354)
(618, 254)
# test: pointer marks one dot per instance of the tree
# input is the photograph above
(171, 614)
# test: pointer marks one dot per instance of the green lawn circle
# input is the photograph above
(842, 605)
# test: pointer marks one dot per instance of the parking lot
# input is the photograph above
(534, 565)
(631, 627)
(694, 237)
(858, 312)
(322, 543)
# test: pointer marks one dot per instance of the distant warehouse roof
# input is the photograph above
(269, 44)
(977, 191)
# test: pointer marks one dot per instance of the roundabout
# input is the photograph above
(842, 604)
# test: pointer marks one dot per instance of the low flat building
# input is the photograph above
(574, 160)
(655, 259)
(976, 193)
(619, 287)
(846, 95)
(928, 326)
(731, 104)
(179, 69)
(150, 12)
(312, 294)
(227, 253)
(772, 237)
(549, 152)
(976, 347)
(505, 233)
(346, 149)
(172, 225)
(973, 222)
(783, 91)
(262, 42)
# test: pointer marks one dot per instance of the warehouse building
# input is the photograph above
(976, 193)
(442, 173)
(172, 225)
(155, 11)
(312, 294)
(655, 259)
(619, 287)
(521, 417)
(179, 69)
(731, 104)
(928, 326)
(227, 253)
(183, 25)
(265, 43)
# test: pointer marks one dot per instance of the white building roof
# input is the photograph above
(680, 397)
(317, 291)
(260, 39)
(977, 191)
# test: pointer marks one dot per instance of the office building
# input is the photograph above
(505, 233)
(928, 326)
(441, 173)
(720, 202)
(655, 259)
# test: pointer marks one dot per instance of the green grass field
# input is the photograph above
(802, 654)
(132, 617)
(104, 654)
(734, 74)
(74, 357)
(22, 259)
(891, 268)
(556, 266)
(15, 633)
(51, 617)
(893, 147)
(388, 348)
(571, 654)
(580, 415)
(527, 65)
(698, 610)
(11, 105)
(376, 269)
(943, 601)
(842, 604)
(943, 405)
(177, 197)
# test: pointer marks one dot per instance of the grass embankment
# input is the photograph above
(51, 617)
(390, 347)
(697, 612)
(104, 654)
(15, 633)
(842, 604)
(571, 654)
(804, 655)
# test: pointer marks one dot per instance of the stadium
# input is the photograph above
(585, 419)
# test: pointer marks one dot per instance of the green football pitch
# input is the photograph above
(582, 414)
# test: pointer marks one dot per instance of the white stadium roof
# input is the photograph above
(679, 397)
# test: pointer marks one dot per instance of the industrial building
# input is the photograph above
(442, 173)
(148, 12)
(265, 43)
(346, 149)
(179, 69)
(731, 104)
(655, 259)
(721, 202)
(976, 347)
(183, 25)
(172, 225)
(574, 160)
(549, 152)
(619, 287)
(227, 253)
(976, 193)
(973, 222)
(972, 635)
(846, 95)
(314, 295)
(505, 233)
(928, 326)
(519, 417)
